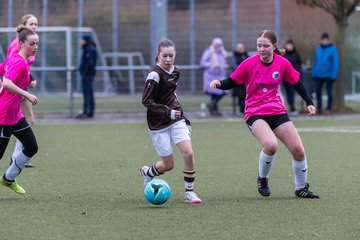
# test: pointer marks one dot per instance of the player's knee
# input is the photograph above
(31, 150)
(270, 148)
(188, 154)
(298, 152)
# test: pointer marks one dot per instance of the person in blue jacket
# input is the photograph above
(88, 71)
(325, 70)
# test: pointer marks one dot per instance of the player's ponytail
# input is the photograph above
(280, 51)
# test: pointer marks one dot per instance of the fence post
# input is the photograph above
(68, 71)
(158, 24)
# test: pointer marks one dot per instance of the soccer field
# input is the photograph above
(86, 185)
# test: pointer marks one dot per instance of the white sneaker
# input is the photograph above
(143, 171)
(192, 198)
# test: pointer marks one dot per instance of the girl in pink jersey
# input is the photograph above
(15, 82)
(265, 113)
(28, 21)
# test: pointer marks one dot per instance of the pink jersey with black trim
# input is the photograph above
(262, 84)
(17, 70)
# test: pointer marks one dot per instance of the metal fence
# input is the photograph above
(127, 32)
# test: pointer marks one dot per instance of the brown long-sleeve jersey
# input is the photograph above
(159, 97)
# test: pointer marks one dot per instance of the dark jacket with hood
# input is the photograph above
(88, 58)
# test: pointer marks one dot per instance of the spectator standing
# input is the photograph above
(239, 91)
(325, 70)
(294, 58)
(88, 72)
(214, 63)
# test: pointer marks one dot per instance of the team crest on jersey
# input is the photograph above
(276, 75)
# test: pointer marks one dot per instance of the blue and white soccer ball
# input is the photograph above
(157, 191)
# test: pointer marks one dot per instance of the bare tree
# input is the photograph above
(341, 10)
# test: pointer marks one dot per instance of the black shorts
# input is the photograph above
(274, 121)
(7, 130)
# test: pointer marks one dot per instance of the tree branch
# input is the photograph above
(352, 8)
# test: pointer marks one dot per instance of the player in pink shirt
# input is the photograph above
(15, 82)
(28, 21)
(265, 113)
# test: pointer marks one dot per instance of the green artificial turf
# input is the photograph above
(86, 185)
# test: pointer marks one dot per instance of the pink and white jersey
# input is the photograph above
(262, 84)
(14, 47)
(17, 70)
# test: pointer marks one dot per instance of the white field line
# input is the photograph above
(348, 129)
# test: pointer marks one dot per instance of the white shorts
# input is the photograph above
(162, 139)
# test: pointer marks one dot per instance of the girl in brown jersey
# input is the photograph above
(166, 120)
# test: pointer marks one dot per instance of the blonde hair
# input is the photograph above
(272, 37)
(24, 20)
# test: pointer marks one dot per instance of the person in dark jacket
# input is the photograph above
(88, 72)
(294, 58)
(325, 70)
(239, 92)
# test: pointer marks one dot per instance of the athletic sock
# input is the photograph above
(265, 163)
(152, 171)
(17, 165)
(18, 148)
(189, 180)
(300, 173)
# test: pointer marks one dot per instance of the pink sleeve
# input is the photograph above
(2, 69)
(15, 70)
(290, 74)
(240, 74)
(14, 47)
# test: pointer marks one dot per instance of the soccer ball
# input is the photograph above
(157, 192)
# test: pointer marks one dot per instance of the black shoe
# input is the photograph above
(305, 193)
(29, 165)
(82, 116)
(263, 186)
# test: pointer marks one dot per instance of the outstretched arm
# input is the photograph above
(225, 84)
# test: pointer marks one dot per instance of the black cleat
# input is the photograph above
(305, 193)
(263, 186)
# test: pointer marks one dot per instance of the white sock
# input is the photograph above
(265, 163)
(17, 166)
(18, 148)
(189, 186)
(300, 173)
